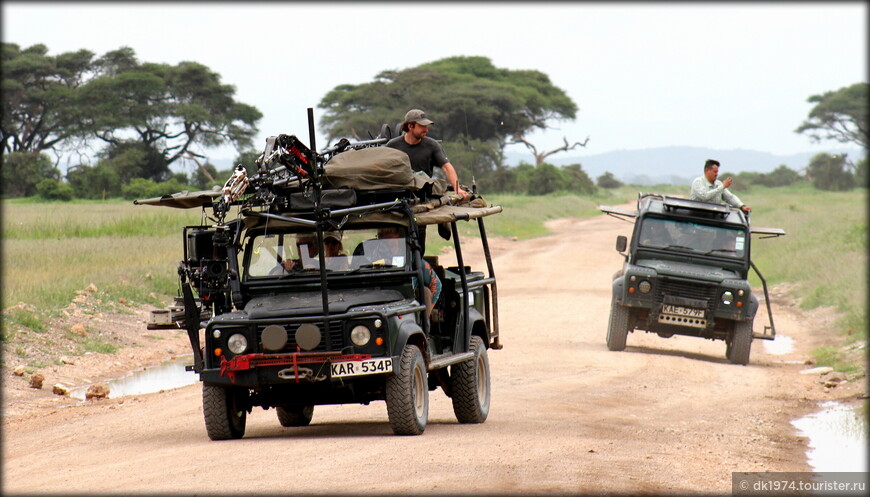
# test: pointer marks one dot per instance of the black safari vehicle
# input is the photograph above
(686, 273)
(316, 292)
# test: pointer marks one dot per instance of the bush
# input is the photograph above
(22, 171)
(861, 178)
(97, 182)
(52, 189)
(577, 181)
(545, 179)
(502, 180)
(781, 176)
(829, 172)
(607, 180)
(141, 188)
(133, 159)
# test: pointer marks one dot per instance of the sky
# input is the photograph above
(718, 75)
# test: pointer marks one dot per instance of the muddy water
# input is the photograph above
(837, 438)
(170, 374)
(780, 345)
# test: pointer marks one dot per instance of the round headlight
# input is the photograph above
(237, 343)
(644, 286)
(360, 335)
(727, 298)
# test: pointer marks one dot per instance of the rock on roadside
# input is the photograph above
(97, 391)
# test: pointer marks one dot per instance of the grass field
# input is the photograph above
(52, 250)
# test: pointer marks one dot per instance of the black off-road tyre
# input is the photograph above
(740, 343)
(225, 411)
(617, 328)
(291, 416)
(470, 385)
(407, 394)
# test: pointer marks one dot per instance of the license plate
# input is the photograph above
(682, 311)
(356, 368)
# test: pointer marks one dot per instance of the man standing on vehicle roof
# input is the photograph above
(425, 153)
(708, 188)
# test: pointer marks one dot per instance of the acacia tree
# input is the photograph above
(839, 115)
(169, 108)
(472, 102)
(41, 105)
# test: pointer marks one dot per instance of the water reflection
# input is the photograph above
(170, 374)
(838, 438)
(780, 345)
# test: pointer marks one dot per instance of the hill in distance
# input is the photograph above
(663, 165)
(678, 165)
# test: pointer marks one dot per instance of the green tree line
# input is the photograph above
(149, 115)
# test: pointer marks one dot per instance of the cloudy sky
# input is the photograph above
(719, 75)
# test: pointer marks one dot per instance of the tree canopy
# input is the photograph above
(471, 101)
(41, 108)
(171, 107)
(839, 115)
(48, 100)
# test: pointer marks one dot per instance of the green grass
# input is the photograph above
(95, 345)
(52, 250)
(824, 252)
(831, 356)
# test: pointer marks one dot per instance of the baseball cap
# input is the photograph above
(418, 116)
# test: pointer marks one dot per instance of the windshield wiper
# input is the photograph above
(683, 247)
(732, 251)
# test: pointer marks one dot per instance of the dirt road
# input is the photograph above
(567, 415)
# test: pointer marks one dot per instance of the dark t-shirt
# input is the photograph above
(425, 156)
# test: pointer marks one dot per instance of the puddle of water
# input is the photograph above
(170, 374)
(780, 345)
(838, 438)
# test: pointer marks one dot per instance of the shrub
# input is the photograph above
(545, 179)
(829, 172)
(607, 180)
(52, 189)
(97, 182)
(22, 171)
(140, 188)
(577, 181)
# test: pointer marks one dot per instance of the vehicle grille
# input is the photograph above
(329, 342)
(706, 293)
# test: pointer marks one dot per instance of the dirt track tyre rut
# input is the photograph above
(739, 348)
(617, 328)
(407, 394)
(470, 385)
(291, 416)
(224, 412)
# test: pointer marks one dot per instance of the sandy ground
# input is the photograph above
(567, 416)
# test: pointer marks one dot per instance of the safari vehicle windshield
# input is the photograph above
(271, 254)
(692, 237)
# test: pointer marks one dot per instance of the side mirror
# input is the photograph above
(621, 243)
